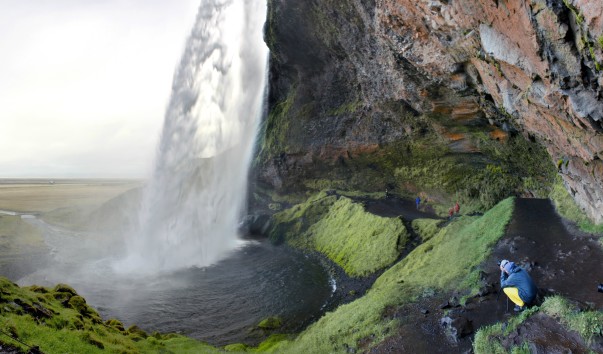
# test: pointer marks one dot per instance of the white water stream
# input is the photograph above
(192, 204)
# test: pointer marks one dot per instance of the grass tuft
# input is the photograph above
(68, 325)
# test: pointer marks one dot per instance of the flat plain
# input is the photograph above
(42, 195)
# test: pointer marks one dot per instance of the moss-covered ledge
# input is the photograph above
(58, 320)
(470, 238)
(358, 241)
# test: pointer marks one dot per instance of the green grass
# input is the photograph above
(567, 207)
(487, 339)
(358, 241)
(290, 223)
(59, 321)
(429, 266)
(426, 228)
(588, 324)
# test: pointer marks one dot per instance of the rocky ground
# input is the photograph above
(561, 260)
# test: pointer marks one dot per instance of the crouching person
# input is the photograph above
(517, 285)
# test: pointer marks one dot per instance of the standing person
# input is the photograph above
(517, 284)
(457, 208)
(417, 202)
(450, 213)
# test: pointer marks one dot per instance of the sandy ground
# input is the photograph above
(39, 196)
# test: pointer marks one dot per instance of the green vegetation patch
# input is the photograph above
(358, 241)
(426, 228)
(589, 324)
(271, 323)
(274, 130)
(59, 321)
(290, 224)
(488, 339)
(567, 207)
(443, 262)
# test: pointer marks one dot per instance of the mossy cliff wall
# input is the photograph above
(366, 94)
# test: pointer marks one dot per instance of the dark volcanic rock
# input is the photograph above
(457, 326)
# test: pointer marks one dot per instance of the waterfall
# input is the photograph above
(192, 203)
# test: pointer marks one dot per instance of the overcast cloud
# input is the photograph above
(84, 84)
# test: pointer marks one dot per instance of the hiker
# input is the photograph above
(517, 284)
(450, 213)
(417, 202)
(457, 208)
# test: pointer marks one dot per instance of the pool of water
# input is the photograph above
(220, 304)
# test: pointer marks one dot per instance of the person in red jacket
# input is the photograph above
(457, 208)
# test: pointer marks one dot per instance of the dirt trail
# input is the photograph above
(561, 260)
(567, 262)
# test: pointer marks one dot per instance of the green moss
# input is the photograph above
(426, 228)
(429, 266)
(358, 241)
(76, 328)
(588, 324)
(346, 108)
(289, 224)
(488, 339)
(322, 184)
(577, 15)
(64, 288)
(273, 133)
(117, 324)
(237, 347)
(567, 207)
(272, 343)
(271, 323)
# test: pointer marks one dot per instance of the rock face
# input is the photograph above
(348, 76)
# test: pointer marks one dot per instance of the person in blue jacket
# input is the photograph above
(517, 284)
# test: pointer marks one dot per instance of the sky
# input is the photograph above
(84, 84)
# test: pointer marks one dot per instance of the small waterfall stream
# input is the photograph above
(192, 204)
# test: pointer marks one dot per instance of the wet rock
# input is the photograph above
(445, 305)
(255, 225)
(271, 323)
(456, 327)
(35, 310)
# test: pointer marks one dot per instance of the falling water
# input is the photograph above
(192, 203)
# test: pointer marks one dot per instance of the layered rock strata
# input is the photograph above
(342, 73)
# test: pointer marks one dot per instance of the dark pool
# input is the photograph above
(220, 304)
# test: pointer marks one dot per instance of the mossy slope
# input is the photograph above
(360, 242)
(430, 265)
(58, 320)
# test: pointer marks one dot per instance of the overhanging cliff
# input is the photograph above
(383, 88)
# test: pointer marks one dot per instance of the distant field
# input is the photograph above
(40, 196)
